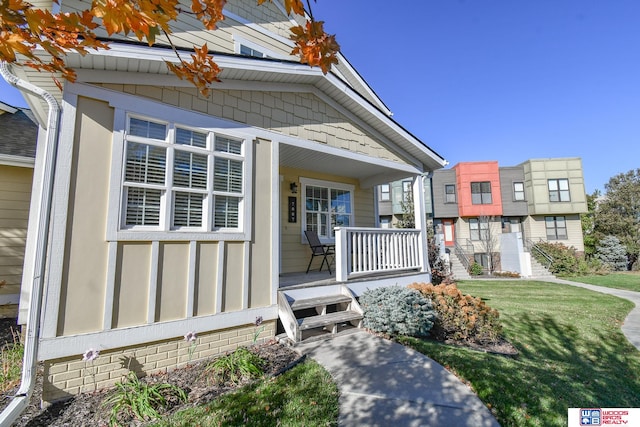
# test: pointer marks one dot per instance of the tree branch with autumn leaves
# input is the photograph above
(41, 40)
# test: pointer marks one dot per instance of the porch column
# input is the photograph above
(420, 219)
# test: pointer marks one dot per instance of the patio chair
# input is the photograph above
(319, 249)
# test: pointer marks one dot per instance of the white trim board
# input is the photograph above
(54, 348)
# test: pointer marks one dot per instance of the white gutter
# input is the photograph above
(41, 231)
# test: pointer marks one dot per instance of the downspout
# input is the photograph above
(41, 231)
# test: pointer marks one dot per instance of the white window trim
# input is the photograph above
(116, 231)
(304, 182)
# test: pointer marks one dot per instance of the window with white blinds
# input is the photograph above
(177, 178)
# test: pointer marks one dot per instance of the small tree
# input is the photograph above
(488, 240)
(612, 253)
(408, 212)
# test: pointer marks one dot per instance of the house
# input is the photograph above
(18, 133)
(175, 213)
(487, 213)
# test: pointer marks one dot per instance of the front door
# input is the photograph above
(449, 238)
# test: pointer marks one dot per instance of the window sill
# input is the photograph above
(149, 235)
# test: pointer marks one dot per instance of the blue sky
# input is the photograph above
(500, 80)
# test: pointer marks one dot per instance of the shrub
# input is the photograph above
(513, 274)
(460, 317)
(566, 261)
(134, 398)
(440, 270)
(612, 253)
(235, 367)
(397, 310)
(476, 269)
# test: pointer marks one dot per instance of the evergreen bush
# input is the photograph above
(397, 310)
(612, 253)
(476, 269)
(460, 317)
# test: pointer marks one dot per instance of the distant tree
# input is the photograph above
(619, 213)
(408, 219)
(612, 254)
(488, 240)
(588, 224)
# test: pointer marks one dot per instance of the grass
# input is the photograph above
(629, 281)
(304, 396)
(11, 355)
(572, 353)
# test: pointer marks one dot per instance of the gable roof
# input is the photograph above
(18, 132)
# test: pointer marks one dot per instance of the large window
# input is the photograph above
(481, 193)
(178, 178)
(449, 193)
(407, 192)
(559, 190)
(327, 205)
(518, 191)
(556, 227)
(479, 228)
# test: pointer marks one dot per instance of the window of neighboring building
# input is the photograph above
(406, 191)
(511, 224)
(518, 191)
(449, 193)
(556, 227)
(179, 178)
(478, 228)
(385, 221)
(482, 259)
(559, 190)
(481, 193)
(385, 192)
(327, 205)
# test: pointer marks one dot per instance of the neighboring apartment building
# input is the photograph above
(477, 204)
(18, 133)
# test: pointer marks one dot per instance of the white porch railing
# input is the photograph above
(362, 251)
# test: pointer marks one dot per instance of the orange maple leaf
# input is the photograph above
(314, 46)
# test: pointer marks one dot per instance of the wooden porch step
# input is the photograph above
(328, 319)
(325, 300)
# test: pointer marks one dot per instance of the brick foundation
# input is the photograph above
(64, 378)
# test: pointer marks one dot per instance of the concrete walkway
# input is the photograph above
(383, 383)
(631, 326)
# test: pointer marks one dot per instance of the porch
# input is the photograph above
(321, 303)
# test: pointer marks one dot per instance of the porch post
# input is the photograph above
(341, 254)
(420, 219)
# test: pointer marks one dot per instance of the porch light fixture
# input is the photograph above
(294, 187)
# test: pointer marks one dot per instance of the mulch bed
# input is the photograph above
(87, 409)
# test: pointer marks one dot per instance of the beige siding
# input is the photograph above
(300, 115)
(261, 254)
(205, 296)
(233, 276)
(173, 281)
(15, 193)
(132, 284)
(295, 253)
(535, 230)
(83, 282)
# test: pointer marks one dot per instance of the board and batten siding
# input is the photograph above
(15, 193)
(109, 285)
(535, 229)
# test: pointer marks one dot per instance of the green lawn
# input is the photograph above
(629, 281)
(572, 353)
(304, 396)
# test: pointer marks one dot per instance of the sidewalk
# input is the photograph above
(383, 383)
(631, 325)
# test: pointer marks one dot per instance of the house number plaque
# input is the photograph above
(293, 209)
